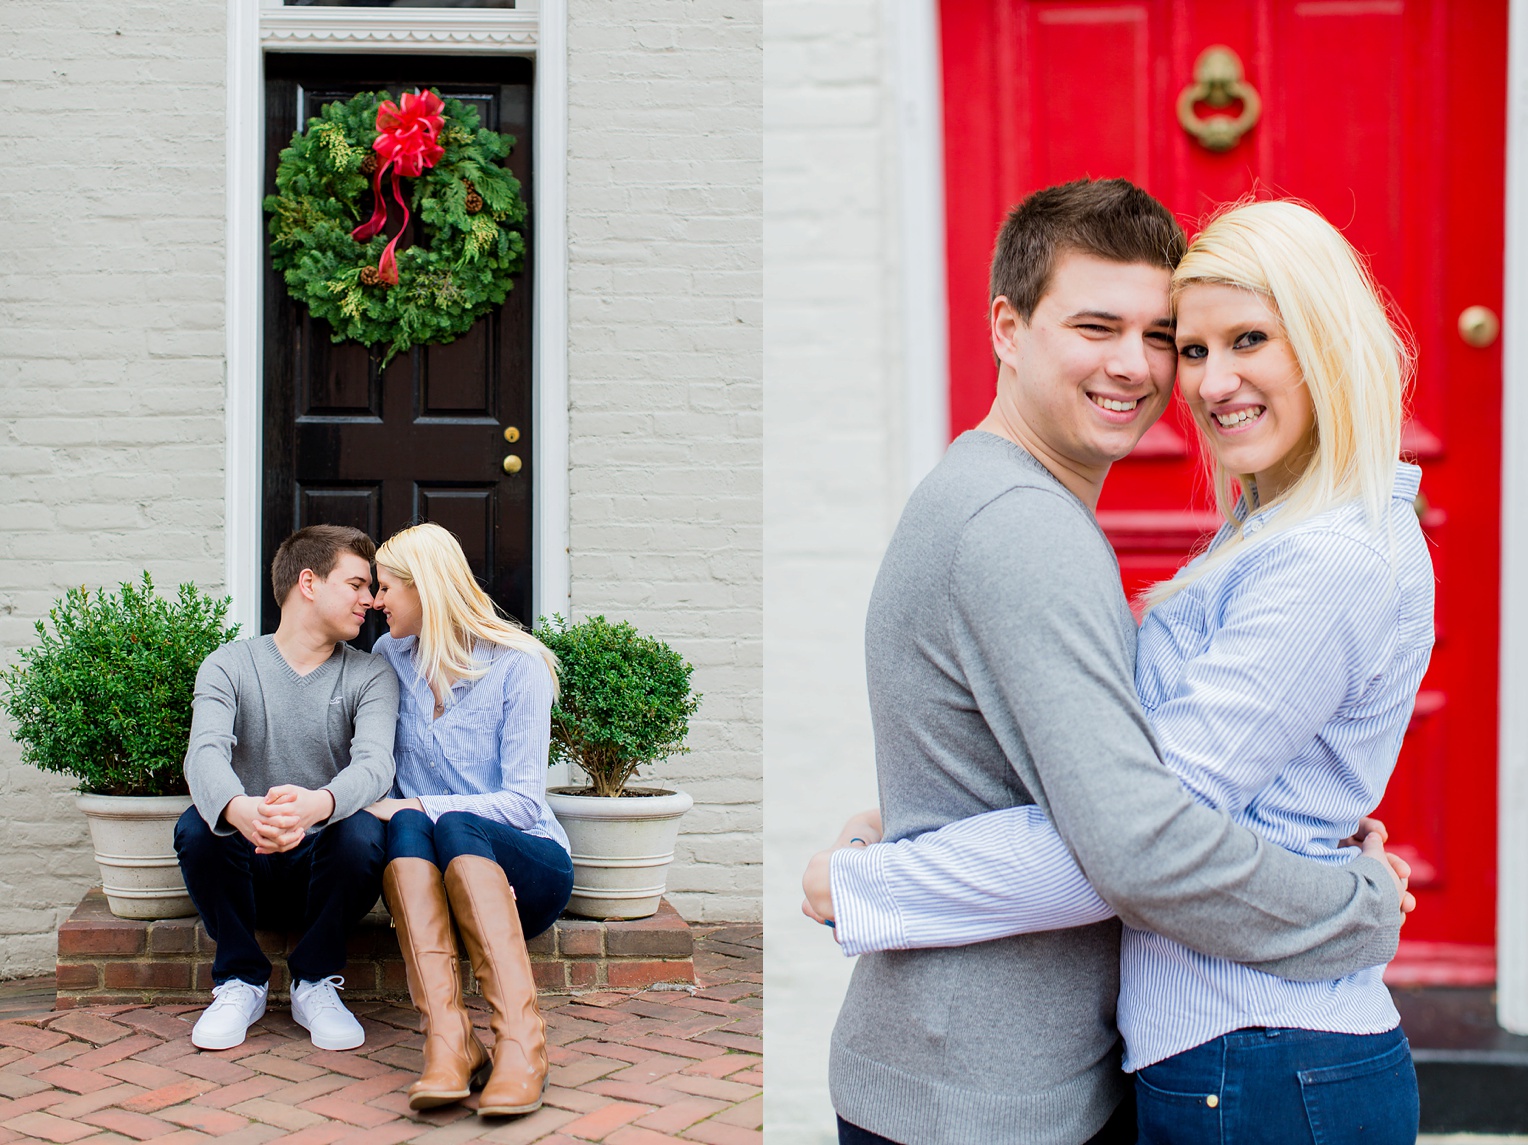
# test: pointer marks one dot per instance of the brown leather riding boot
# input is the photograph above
(484, 906)
(416, 896)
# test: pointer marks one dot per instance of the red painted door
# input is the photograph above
(1389, 117)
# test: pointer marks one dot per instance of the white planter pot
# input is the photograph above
(134, 838)
(622, 848)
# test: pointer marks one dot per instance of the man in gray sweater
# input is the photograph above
(291, 736)
(1000, 657)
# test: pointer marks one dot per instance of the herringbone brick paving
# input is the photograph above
(677, 1065)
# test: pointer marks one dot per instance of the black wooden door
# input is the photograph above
(426, 438)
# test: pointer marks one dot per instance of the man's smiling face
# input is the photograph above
(1093, 368)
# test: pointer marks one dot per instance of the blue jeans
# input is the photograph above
(539, 870)
(1282, 1086)
(323, 887)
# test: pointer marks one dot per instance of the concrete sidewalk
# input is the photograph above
(679, 1065)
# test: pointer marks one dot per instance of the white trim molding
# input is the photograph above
(552, 581)
(257, 26)
(322, 29)
(244, 578)
(1512, 744)
(917, 92)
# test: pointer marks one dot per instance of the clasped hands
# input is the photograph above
(278, 821)
(865, 828)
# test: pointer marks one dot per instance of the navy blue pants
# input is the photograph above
(1282, 1086)
(322, 887)
(539, 870)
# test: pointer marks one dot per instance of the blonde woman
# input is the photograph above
(469, 833)
(1278, 669)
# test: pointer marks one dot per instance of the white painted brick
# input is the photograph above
(111, 374)
(664, 220)
(833, 488)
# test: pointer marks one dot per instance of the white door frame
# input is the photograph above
(1512, 743)
(538, 30)
(917, 93)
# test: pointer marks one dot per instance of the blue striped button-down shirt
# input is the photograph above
(487, 753)
(1279, 686)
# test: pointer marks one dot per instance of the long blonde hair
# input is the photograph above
(1356, 362)
(455, 612)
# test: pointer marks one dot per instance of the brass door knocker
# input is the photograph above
(1218, 82)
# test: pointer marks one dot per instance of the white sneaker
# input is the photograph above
(236, 1005)
(318, 1009)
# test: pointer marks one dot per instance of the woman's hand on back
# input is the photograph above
(859, 831)
(1373, 845)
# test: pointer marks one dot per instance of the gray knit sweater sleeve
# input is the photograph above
(214, 708)
(256, 724)
(374, 708)
(1055, 683)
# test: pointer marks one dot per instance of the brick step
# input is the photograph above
(104, 960)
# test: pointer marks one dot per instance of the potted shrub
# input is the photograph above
(625, 703)
(105, 697)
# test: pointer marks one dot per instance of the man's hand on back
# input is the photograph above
(1373, 845)
(1400, 869)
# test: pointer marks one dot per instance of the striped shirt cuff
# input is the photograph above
(867, 915)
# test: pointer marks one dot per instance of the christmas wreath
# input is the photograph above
(338, 260)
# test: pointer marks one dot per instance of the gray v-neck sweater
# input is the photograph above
(256, 723)
(1000, 655)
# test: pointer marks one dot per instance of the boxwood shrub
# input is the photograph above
(105, 693)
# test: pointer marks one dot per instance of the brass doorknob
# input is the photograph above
(512, 464)
(511, 434)
(1479, 326)
(1219, 82)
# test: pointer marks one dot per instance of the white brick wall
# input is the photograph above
(111, 369)
(665, 385)
(112, 373)
(834, 486)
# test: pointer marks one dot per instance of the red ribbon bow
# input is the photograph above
(406, 143)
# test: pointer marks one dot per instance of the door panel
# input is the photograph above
(1388, 117)
(349, 443)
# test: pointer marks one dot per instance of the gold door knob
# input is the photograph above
(512, 464)
(1219, 82)
(511, 434)
(1479, 326)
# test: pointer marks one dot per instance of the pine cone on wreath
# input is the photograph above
(474, 200)
(370, 164)
(370, 276)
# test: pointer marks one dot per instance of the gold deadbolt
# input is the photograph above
(1479, 326)
(512, 464)
(511, 434)
(1219, 82)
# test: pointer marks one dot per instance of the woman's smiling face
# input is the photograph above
(1238, 373)
(399, 602)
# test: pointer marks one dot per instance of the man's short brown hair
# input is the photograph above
(316, 547)
(1108, 218)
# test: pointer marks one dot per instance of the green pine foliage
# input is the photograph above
(105, 696)
(625, 700)
(463, 269)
